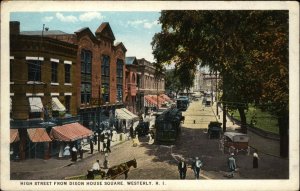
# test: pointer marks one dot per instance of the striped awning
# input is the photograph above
(57, 105)
(38, 135)
(121, 114)
(70, 132)
(14, 135)
(150, 102)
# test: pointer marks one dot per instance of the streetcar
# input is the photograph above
(182, 103)
(167, 126)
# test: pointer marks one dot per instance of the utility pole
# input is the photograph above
(99, 119)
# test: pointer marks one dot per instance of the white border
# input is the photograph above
(293, 7)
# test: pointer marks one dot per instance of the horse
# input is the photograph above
(120, 169)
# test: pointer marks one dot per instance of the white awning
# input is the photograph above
(122, 115)
(36, 104)
(57, 105)
(129, 113)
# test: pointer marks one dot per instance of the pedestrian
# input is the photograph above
(196, 167)
(124, 125)
(67, 151)
(80, 151)
(96, 167)
(102, 142)
(95, 138)
(182, 168)
(91, 146)
(131, 131)
(108, 144)
(255, 159)
(183, 118)
(231, 165)
(74, 154)
(105, 162)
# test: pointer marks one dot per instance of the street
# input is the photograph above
(160, 161)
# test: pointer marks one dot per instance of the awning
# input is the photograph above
(165, 97)
(70, 132)
(130, 113)
(36, 104)
(37, 135)
(57, 105)
(121, 114)
(150, 101)
(14, 135)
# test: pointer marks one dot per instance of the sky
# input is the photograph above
(134, 28)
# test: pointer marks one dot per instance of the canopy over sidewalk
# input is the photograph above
(37, 135)
(14, 135)
(70, 132)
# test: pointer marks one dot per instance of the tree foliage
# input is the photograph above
(248, 48)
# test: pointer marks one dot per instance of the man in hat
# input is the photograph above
(196, 167)
(96, 167)
(231, 164)
(182, 168)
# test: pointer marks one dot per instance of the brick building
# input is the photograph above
(150, 85)
(101, 72)
(131, 84)
(58, 79)
(42, 77)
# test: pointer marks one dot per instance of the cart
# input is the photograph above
(234, 142)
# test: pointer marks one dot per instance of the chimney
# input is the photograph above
(14, 27)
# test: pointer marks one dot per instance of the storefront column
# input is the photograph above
(22, 147)
(47, 150)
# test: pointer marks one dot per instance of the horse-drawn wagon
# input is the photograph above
(234, 142)
(111, 173)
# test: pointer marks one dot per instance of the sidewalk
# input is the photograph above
(262, 144)
(36, 165)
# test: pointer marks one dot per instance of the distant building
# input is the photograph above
(150, 85)
(131, 86)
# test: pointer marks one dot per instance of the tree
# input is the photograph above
(248, 48)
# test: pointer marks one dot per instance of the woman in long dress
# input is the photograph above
(255, 159)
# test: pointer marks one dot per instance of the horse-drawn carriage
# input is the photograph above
(234, 142)
(111, 173)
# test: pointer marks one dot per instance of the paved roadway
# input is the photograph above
(160, 162)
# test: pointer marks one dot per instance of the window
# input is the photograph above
(34, 70)
(54, 71)
(67, 73)
(105, 75)
(86, 70)
(10, 70)
(119, 80)
(105, 92)
(85, 93)
(68, 103)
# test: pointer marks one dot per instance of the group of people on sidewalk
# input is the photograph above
(197, 164)
(74, 152)
(105, 139)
